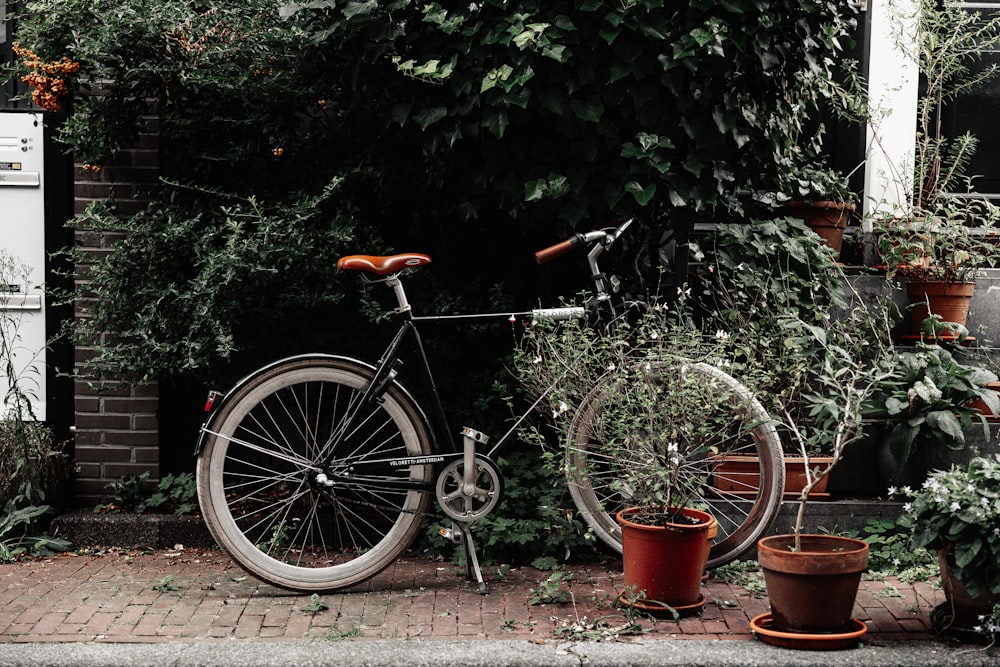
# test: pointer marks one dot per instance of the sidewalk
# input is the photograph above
(162, 596)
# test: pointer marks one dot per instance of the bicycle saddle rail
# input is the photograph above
(383, 265)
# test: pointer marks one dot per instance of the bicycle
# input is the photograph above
(316, 472)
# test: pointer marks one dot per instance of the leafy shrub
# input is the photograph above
(446, 123)
(176, 494)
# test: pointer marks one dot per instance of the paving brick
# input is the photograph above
(110, 597)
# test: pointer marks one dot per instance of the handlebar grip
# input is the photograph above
(550, 253)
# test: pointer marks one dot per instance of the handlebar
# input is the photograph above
(557, 250)
(604, 236)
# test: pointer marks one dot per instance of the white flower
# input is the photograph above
(711, 268)
(611, 366)
(740, 267)
(721, 335)
(654, 335)
(892, 491)
(955, 507)
(561, 409)
(536, 360)
(907, 507)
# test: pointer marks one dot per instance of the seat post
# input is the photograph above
(396, 284)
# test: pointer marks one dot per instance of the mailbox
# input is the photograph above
(22, 237)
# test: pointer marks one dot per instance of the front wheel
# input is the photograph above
(713, 420)
(295, 478)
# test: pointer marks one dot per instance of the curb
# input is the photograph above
(160, 531)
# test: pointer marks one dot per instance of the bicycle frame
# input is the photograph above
(444, 447)
(320, 451)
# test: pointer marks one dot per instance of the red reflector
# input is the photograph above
(210, 401)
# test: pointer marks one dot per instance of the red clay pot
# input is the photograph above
(667, 561)
(812, 590)
(827, 218)
(949, 300)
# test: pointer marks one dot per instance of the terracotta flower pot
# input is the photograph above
(739, 475)
(812, 590)
(827, 218)
(949, 300)
(667, 561)
(980, 405)
(962, 610)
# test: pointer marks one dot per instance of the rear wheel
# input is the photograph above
(731, 424)
(281, 483)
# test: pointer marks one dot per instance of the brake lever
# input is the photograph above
(616, 232)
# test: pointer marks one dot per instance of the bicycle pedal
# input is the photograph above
(474, 435)
(450, 534)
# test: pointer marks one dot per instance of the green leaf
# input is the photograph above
(946, 422)
(428, 117)
(702, 36)
(589, 110)
(535, 190)
(555, 52)
(352, 9)
(895, 406)
(492, 78)
(967, 550)
(496, 121)
(642, 195)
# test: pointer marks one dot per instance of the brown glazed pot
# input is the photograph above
(812, 590)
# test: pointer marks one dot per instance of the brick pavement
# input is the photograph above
(120, 595)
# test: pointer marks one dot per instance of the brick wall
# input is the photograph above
(117, 427)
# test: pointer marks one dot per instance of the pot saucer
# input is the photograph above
(661, 610)
(946, 339)
(763, 629)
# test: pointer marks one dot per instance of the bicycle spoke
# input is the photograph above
(732, 424)
(267, 506)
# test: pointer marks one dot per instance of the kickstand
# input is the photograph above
(471, 560)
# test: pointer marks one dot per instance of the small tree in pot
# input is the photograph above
(812, 580)
(653, 411)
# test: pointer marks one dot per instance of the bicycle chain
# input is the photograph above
(365, 503)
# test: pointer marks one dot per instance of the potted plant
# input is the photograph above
(941, 238)
(821, 197)
(812, 579)
(956, 513)
(939, 256)
(754, 276)
(644, 425)
(926, 403)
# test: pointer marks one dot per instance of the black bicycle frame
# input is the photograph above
(389, 364)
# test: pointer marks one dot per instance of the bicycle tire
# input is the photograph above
(256, 475)
(744, 507)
